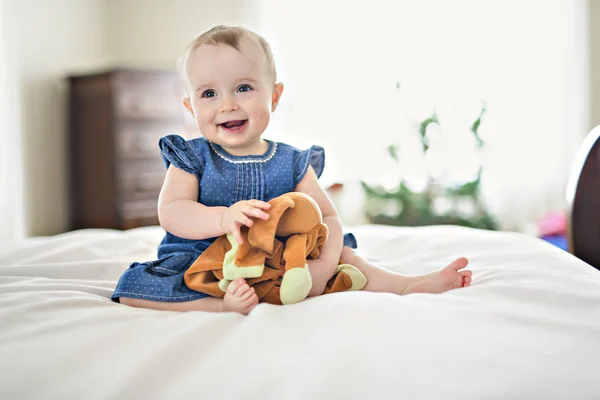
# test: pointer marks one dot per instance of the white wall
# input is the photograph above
(528, 60)
(154, 33)
(48, 40)
(11, 210)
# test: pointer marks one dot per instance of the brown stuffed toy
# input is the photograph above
(273, 256)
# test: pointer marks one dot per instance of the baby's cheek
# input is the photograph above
(263, 117)
(205, 124)
(205, 118)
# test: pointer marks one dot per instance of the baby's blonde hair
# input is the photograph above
(230, 36)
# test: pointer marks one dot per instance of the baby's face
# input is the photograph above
(232, 94)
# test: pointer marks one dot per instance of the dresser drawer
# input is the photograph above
(139, 213)
(148, 95)
(141, 176)
(136, 141)
(139, 141)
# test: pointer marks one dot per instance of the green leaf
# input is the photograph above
(423, 129)
(476, 125)
(393, 151)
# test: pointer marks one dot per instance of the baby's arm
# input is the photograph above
(325, 266)
(180, 213)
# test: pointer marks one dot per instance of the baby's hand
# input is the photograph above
(239, 214)
(239, 297)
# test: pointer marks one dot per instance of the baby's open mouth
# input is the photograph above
(234, 124)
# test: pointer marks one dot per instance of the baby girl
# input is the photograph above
(217, 183)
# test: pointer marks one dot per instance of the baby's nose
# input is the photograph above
(228, 104)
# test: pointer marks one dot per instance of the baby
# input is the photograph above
(217, 183)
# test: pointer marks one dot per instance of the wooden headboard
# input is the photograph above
(583, 201)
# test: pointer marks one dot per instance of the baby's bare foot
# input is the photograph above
(441, 281)
(239, 297)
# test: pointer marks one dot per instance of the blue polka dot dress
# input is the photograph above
(224, 179)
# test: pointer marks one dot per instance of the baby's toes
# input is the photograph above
(243, 291)
(251, 302)
(465, 278)
(248, 295)
(235, 285)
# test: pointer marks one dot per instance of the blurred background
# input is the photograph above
(462, 111)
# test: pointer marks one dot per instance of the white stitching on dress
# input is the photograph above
(162, 269)
(224, 157)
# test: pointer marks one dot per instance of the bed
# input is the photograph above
(528, 327)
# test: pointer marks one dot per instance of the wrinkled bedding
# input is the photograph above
(529, 327)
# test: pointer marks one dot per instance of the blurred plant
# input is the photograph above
(441, 202)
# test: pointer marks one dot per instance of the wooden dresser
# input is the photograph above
(115, 120)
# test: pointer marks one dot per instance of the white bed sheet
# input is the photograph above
(529, 327)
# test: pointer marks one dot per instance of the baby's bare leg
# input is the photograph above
(239, 298)
(383, 280)
(208, 304)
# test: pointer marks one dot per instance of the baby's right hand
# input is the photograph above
(239, 297)
(239, 214)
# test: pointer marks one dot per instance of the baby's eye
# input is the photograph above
(208, 93)
(244, 88)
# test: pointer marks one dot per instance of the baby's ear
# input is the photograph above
(277, 91)
(188, 105)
